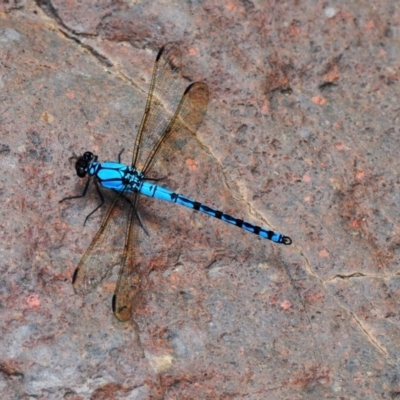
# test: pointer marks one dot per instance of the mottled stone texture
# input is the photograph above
(302, 134)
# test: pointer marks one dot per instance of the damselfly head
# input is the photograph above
(83, 162)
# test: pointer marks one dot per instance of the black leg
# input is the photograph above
(101, 201)
(80, 196)
(136, 213)
(84, 194)
(119, 155)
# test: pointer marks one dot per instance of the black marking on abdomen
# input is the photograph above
(218, 214)
(263, 232)
(269, 234)
(239, 222)
(256, 229)
(210, 211)
(174, 197)
(196, 205)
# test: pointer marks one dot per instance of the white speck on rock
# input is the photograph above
(330, 12)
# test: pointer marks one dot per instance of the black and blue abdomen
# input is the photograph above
(151, 190)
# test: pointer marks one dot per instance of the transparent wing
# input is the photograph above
(183, 125)
(128, 283)
(162, 101)
(104, 251)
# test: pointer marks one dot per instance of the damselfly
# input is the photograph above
(167, 125)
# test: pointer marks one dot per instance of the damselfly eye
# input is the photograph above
(81, 166)
(81, 172)
(87, 156)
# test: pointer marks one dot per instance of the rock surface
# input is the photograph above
(302, 134)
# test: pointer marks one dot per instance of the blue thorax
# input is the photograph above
(115, 176)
